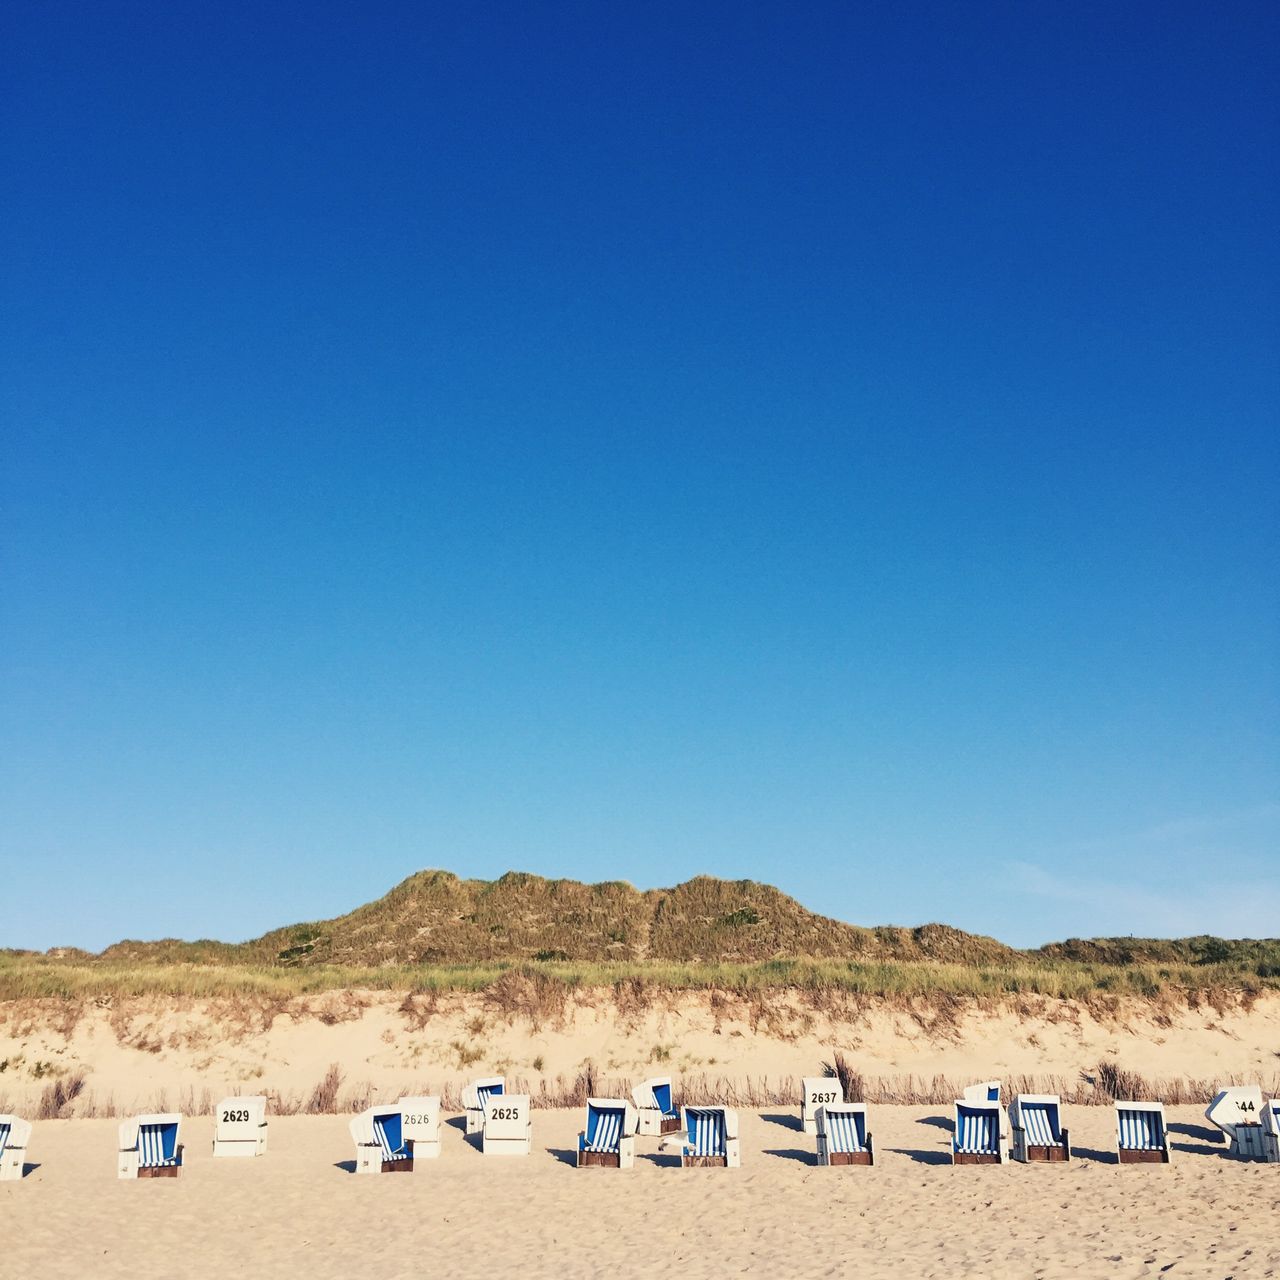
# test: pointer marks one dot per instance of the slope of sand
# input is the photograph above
(299, 1211)
(152, 1055)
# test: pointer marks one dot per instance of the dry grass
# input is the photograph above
(58, 1098)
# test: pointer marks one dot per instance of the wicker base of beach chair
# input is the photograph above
(851, 1157)
(398, 1166)
(1144, 1157)
(669, 1124)
(159, 1171)
(704, 1162)
(599, 1159)
(974, 1157)
(1049, 1155)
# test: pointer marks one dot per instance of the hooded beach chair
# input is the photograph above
(987, 1091)
(609, 1138)
(149, 1147)
(476, 1094)
(842, 1134)
(979, 1136)
(508, 1126)
(815, 1092)
(381, 1146)
(1141, 1134)
(1238, 1111)
(15, 1136)
(1038, 1135)
(420, 1126)
(657, 1111)
(240, 1127)
(1271, 1131)
(710, 1138)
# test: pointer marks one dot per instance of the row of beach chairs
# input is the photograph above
(390, 1137)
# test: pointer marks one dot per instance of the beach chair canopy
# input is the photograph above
(1041, 1120)
(706, 1131)
(844, 1124)
(478, 1092)
(655, 1094)
(987, 1091)
(388, 1134)
(609, 1120)
(1140, 1126)
(157, 1140)
(977, 1128)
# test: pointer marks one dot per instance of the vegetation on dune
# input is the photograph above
(436, 932)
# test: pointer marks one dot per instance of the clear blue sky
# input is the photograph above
(829, 444)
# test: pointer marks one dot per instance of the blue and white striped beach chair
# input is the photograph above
(1141, 1134)
(149, 1147)
(1271, 1131)
(476, 1095)
(711, 1138)
(842, 1134)
(979, 1134)
(609, 1137)
(656, 1107)
(15, 1135)
(1038, 1135)
(380, 1143)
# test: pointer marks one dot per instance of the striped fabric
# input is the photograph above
(157, 1145)
(977, 1132)
(386, 1129)
(706, 1132)
(1141, 1131)
(844, 1131)
(1040, 1120)
(4, 1137)
(604, 1129)
(487, 1091)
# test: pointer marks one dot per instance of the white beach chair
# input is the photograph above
(508, 1126)
(380, 1142)
(609, 1137)
(149, 1147)
(1141, 1134)
(15, 1137)
(710, 1138)
(1038, 1135)
(420, 1126)
(476, 1094)
(1271, 1131)
(815, 1092)
(979, 1136)
(842, 1134)
(1239, 1111)
(657, 1111)
(240, 1127)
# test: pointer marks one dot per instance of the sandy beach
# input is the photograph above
(299, 1209)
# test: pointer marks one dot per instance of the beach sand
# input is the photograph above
(298, 1211)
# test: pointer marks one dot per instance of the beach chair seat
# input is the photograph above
(476, 1094)
(15, 1137)
(815, 1092)
(711, 1138)
(381, 1146)
(1038, 1135)
(842, 1134)
(655, 1105)
(508, 1125)
(149, 1147)
(240, 1127)
(1271, 1131)
(609, 1137)
(979, 1136)
(1238, 1111)
(420, 1125)
(1141, 1134)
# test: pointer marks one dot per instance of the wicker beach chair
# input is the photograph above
(609, 1137)
(815, 1092)
(1038, 1135)
(240, 1127)
(381, 1146)
(15, 1137)
(1141, 1134)
(656, 1108)
(420, 1125)
(149, 1147)
(711, 1138)
(508, 1126)
(979, 1136)
(842, 1134)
